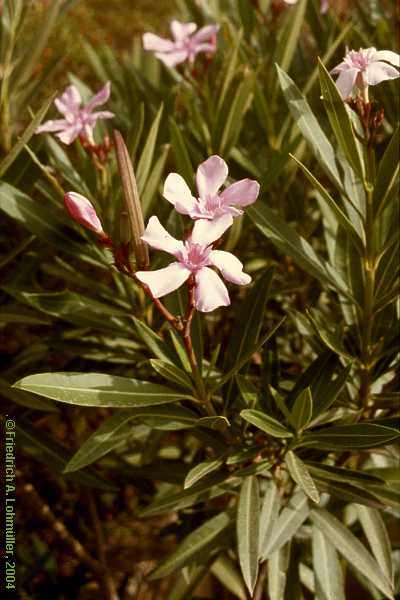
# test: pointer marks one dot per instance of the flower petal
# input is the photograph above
(230, 267)
(210, 175)
(210, 291)
(243, 192)
(324, 6)
(166, 280)
(380, 71)
(157, 43)
(180, 31)
(157, 237)
(69, 134)
(346, 81)
(391, 57)
(83, 212)
(205, 34)
(206, 232)
(53, 125)
(178, 193)
(171, 59)
(68, 103)
(98, 99)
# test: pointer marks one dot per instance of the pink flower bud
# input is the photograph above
(83, 212)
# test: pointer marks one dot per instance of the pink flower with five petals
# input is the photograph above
(194, 257)
(210, 204)
(79, 121)
(367, 66)
(186, 43)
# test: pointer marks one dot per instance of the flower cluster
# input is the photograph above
(367, 66)
(196, 257)
(185, 45)
(79, 121)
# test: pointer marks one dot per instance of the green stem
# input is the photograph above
(369, 265)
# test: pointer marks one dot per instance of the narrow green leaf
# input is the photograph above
(352, 549)
(301, 476)
(309, 126)
(278, 565)
(269, 514)
(106, 438)
(340, 121)
(240, 363)
(288, 42)
(180, 152)
(328, 574)
(247, 326)
(202, 538)
(203, 491)
(248, 391)
(302, 410)
(378, 538)
(153, 181)
(350, 437)
(247, 531)
(239, 106)
(287, 524)
(25, 137)
(201, 470)
(334, 208)
(265, 423)
(287, 240)
(172, 373)
(224, 569)
(98, 389)
(154, 342)
(146, 158)
(47, 450)
(388, 174)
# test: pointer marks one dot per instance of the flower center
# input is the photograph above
(195, 256)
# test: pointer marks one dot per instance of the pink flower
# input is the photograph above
(185, 45)
(83, 212)
(194, 257)
(210, 204)
(78, 121)
(366, 67)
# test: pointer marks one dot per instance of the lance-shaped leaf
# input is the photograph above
(287, 524)
(302, 410)
(247, 531)
(301, 476)
(352, 549)
(201, 539)
(172, 373)
(288, 241)
(338, 214)
(328, 574)
(106, 438)
(201, 470)
(309, 126)
(277, 572)
(388, 174)
(25, 137)
(132, 201)
(98, 389)
(202, 491)
(378, 538)
(269, 513)
(265, 423)
(146, 158)
(224, 569)
(340, 121)
(350, 437)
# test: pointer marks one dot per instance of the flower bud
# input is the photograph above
(83, 212)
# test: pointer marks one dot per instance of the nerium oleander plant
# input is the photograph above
(281, 481)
